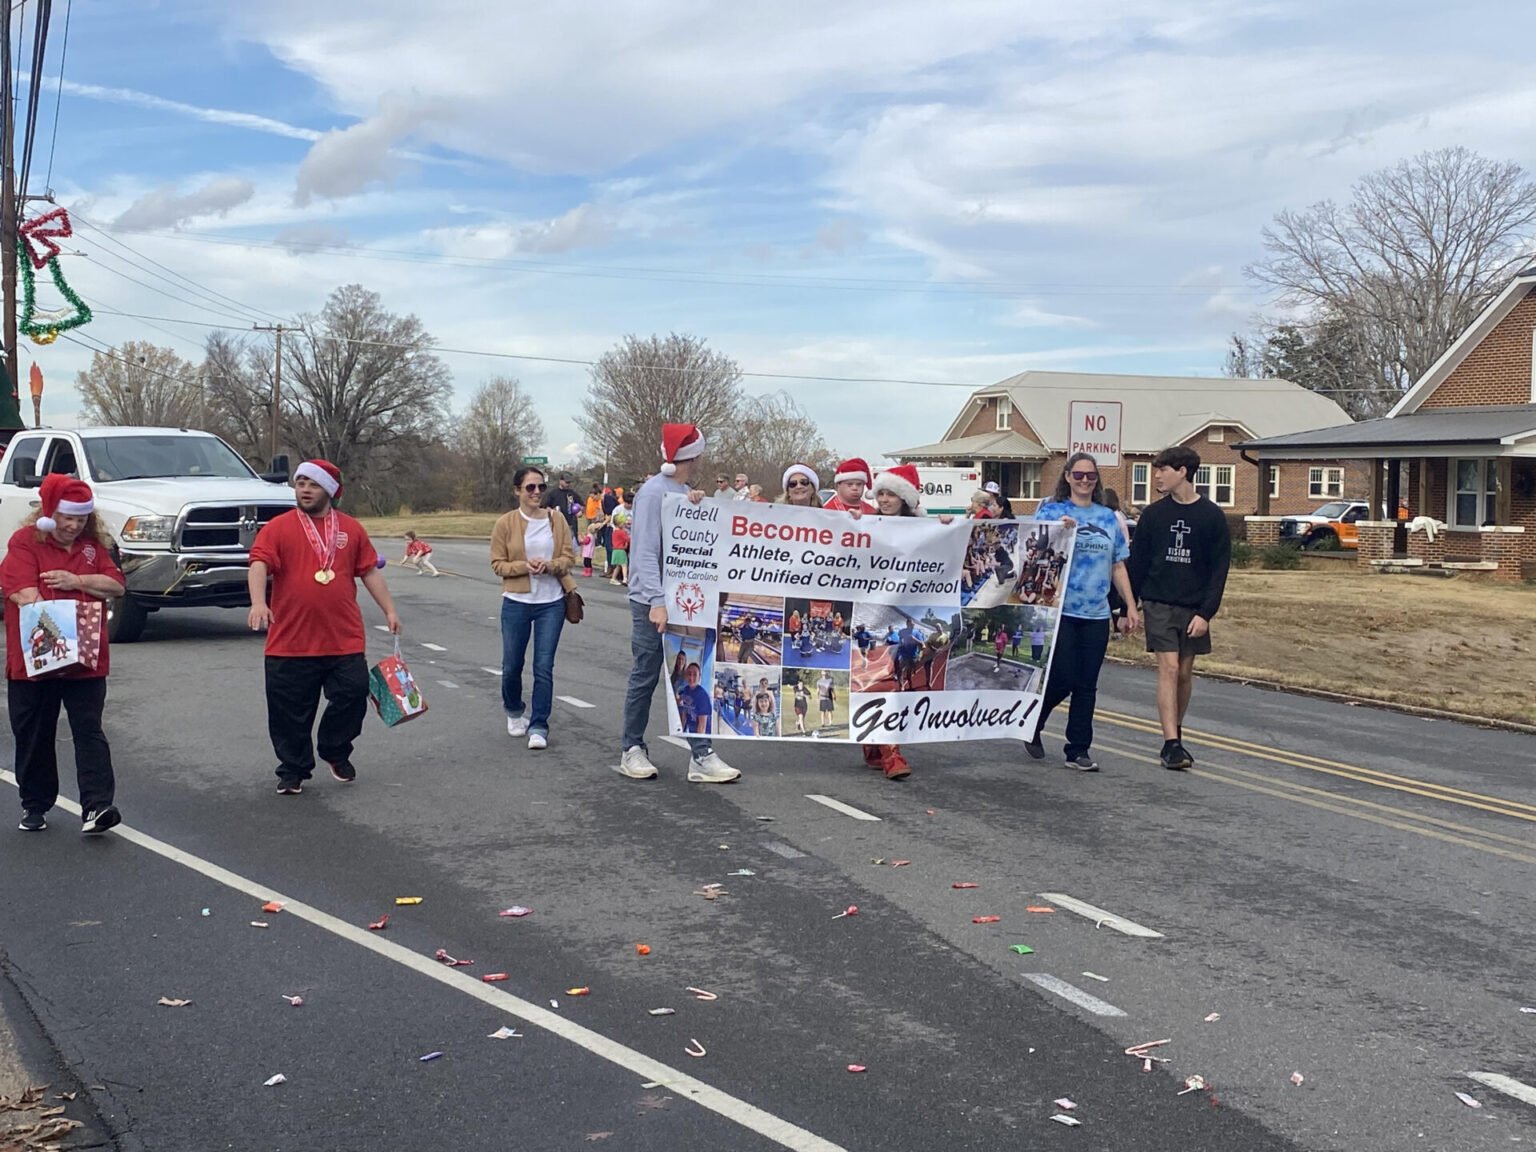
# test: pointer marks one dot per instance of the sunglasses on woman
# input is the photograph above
(799, 483)
(535, 487)
(1084, 475)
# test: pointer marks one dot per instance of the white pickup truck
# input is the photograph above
(182, 508)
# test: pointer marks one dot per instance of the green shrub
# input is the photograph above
(1242, 554)
(1282, 557)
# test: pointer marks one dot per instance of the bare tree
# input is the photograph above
(497, 429)
(359, 381)
(645, 383)
(238, 378)
(1405, 267)
(140, 384)
(769, 433)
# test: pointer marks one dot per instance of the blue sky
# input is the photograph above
(947, 193)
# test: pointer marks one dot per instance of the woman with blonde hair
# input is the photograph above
(801, 486)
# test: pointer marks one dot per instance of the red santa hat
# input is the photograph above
(679, 442)
(801, 470)
(902, 480)
(852, 469)
(61, 493)
(323, 473)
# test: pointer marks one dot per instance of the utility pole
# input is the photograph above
(277, 382)
(10, 403)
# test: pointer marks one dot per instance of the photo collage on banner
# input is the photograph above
(800, 624)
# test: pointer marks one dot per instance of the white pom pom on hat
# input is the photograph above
(679, 442)
(61, 493)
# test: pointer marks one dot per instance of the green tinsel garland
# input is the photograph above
(46, 331)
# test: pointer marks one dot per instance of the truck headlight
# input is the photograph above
(148, 529)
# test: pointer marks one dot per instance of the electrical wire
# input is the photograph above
(58, 99)
(34, 88)
(168, 295)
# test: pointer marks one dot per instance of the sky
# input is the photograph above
(933, 195)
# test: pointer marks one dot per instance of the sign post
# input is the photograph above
(1093, 426)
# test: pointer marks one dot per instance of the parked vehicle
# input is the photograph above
(182, 507)
(1330, 526)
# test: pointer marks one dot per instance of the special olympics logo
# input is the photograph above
(689, 598)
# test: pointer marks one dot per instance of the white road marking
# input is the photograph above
(766, 1124)
(435, 647)
(1510, 1087)
(1073, 993)
(447, 683)
(1101, 917)
(783, 850)
(492, 671)
(839, 806)
(382, 627)
(575, 703)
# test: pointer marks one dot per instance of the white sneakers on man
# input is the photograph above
(517, 725)
(636, 764)
(710, 769)
(537, 741)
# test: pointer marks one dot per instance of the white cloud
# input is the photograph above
(165, 208)
(1031, 314)
(347, 160)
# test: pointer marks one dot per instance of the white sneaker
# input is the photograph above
(636, 764)
(710, 769)
(517, 725)
(537, 740)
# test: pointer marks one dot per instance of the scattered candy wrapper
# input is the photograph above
(515, 910)
(493, 977)
(429, 1056)
(1192, 1084)
(578, 991)
(900, 863)
(407, 899)
(1069, 1121)
(700, 994)
(657, 1083)
(379, 925)
(1096, 976)
(206, 912)
(1469, 1101)
(1021, 949)
(878, 860)
(967, 884)
(851, 910)
(1297, 1078)
(442, 955)
(725, 847)
(1213, 1017)
(272, 906)
(504, 1033)
(1065, 1104)
(856, 1068)
(169, 1003)
(1040, 908)
(642, 949)
(692, 1044)
(294, 1001)
(554, 1003)
(710, 891)
(764, 819)
(1529, 1011)
(742, 872)
(258, 924)
(278, 1079)
(663, 1011)
(985, 919)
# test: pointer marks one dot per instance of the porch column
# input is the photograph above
(1264, 473)
(1505, 471)
(1377, 497)
(1394, 488)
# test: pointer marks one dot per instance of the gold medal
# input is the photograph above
(324, 576)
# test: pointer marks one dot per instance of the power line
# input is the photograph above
(168, 295)
(58, 100)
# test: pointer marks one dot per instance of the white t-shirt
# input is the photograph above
(538, 544)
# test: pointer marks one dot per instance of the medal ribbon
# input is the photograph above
(323, 542)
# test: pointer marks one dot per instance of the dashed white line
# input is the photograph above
(492, 671)
(754, 1119)
(839, 806)
(575, 703)
(783, 850)
(1073, 993)
(1101, 917)
(447, 683)
(1507, 1085)
(435, 647)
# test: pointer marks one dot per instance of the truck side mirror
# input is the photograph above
(28, 477)
(279, 472)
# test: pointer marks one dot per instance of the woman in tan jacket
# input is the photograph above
(533, 553)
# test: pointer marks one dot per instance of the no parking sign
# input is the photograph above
(1093, 426)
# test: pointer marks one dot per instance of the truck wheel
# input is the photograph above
(125, 620)
(1326, 540)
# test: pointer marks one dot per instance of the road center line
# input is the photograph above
(1073, 993)
(435, 647)
(1505, 1084)
(447, 683)
(492, 671)
(839, 806)
(575, 703)
(766, 1124)
(1101, 917)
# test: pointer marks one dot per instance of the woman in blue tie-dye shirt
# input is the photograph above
(1098, 560)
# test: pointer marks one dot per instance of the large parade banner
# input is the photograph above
(801, 624)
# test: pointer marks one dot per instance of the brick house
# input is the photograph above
(1460, 447)
(1015, 433)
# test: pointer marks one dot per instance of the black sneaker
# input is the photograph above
(289, 785)
(33, 822)
(1035, 749)
(344, 771)
(100, 820)
(1174, 758)
(1083, 762)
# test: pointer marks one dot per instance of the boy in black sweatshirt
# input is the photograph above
(1178, 569)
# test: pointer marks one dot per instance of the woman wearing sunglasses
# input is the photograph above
(800, 486)
(533, 553)
(1099, 553)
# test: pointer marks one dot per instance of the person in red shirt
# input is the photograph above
(61, 553)
(315, 638)
(850, 481)
(418, 555)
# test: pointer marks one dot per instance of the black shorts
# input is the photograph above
(1167, 628)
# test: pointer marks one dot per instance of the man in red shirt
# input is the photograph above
(64, 555)
(315, 638)
(850, 480)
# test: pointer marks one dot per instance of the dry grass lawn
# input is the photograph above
(1464, 644)
(428, 525)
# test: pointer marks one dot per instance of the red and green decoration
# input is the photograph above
(37, 240)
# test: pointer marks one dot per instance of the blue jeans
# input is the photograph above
(1080, 648)
(645, 644)
(518, 622)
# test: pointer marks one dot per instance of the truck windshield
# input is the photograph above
(1333, 509)
(140, 457)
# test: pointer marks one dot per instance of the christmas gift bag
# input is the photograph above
(393, 690)
(60, 634)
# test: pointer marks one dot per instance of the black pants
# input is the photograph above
(294, 684)
(1075, 664)
(34, 708)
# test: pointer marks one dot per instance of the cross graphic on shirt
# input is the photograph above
(1180, 530)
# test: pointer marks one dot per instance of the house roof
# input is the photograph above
(1006, 445)
(1491, 424)
(1487, 320)
(1158, 410)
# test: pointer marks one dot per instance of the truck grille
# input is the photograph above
(223, 527)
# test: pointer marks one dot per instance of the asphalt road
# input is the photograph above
(1349, 889)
